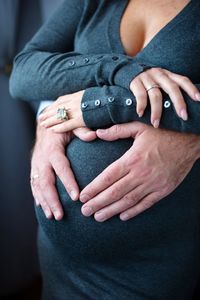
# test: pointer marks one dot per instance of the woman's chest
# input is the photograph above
(142, 20)
(175, 46)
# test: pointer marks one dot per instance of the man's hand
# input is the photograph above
(48, 160)
(151, 169)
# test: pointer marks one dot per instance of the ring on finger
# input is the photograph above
(154, 86)
(62, 114)
(33, 177)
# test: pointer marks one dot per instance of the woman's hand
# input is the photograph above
(72, 104)
(151, 169)
(150, 83)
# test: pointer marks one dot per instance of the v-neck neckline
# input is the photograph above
(115, 22)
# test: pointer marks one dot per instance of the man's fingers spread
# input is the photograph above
(51, 197)
(40, 198)
(129, 200)
(110, 195)
(110, 175)
(145, 204)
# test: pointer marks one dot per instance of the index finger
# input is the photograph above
(111, 174)
(63, 170)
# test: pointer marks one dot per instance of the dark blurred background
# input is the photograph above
(19, 267)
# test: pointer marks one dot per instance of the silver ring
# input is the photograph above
(154, 86)
(33, 177)
(61, 114)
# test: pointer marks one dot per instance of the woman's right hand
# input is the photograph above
(149, 84)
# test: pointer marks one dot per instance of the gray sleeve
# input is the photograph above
(103, 107)
(48, 67)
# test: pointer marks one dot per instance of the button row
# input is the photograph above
(97, 102)
(86, 60)
(72, 63)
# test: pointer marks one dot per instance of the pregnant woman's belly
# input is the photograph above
(157, 236)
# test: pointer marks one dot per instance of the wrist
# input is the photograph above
(196, 146)
(189, 143)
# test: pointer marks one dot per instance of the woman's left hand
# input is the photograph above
(71, 103)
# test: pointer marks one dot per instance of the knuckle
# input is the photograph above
(116, 192)
(60, 99)
(107, 178)
(147, 204)
(61, 168)
(173, 86)
(129, 200)
(44, 183)
(158, 70)
(117, 129)
(186, 79)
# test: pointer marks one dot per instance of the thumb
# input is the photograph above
(121, 131)
(85, 134)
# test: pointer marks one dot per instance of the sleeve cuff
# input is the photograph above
(128, 72)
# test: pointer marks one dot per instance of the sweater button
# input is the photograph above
(72, 63)
(115, 58)
(129, 102)
(84, 105)
(86, 60)
(167, 104)
(111, 99)
(97, 102)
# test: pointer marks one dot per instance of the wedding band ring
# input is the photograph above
(33, 177)
(154, 86)
(62, 114)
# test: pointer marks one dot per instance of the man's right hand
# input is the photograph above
(48, 160)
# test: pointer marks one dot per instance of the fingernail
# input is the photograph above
(87, 211)
(156, 123)
(197, 96)
(84, 198)
(100, 217)
(57, 215)
(183, 114)
(102, 131)
(74, 195)
(140, 114)
(124, 217)
(48, 214)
